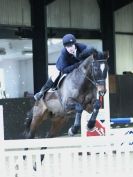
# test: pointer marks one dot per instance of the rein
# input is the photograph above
(88, 78)
(93, 82)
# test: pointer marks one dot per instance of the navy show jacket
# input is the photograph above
(67, 62)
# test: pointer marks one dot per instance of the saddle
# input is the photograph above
(61, 80)
(58, 82)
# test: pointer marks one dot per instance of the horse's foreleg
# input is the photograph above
(76, 126)
(77, 122)
(92, 121)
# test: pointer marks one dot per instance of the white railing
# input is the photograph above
(66, 156)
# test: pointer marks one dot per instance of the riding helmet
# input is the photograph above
(69, 39)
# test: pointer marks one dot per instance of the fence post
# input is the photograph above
(2, 166)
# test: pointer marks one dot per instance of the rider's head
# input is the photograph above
(69, 41)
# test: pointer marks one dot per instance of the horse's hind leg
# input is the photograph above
(36, 121)
(56, 126)
(27, 123)
(39, 114)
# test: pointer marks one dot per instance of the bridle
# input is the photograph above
(93, 80)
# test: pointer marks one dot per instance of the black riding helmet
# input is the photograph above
(69, 40)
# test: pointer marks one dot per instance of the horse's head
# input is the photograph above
(96, 72)
(99, 74)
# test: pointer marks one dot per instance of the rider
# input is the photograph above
(70, 58)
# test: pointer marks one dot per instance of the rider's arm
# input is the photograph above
(70, 68)
(63, 64)
(86, 53)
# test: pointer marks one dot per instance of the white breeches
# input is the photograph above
(54, 75)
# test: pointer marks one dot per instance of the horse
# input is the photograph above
(76, 92)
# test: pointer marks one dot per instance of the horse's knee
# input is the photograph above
(97, 104)
(79, 108)
(92, 120)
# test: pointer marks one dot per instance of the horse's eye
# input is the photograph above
(95, 69)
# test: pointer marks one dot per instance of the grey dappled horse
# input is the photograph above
(77, 92)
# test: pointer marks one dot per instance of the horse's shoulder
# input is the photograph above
(51, 94)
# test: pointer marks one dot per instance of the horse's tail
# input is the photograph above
(27, 122)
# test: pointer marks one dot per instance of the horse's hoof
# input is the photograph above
(73, 130)
(70, 133)
(91, 124)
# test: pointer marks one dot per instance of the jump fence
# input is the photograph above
(70, 156)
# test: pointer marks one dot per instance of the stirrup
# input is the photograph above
(38, 96)
(54, 88)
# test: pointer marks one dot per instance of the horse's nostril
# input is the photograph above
(101, 88)
(102, 93)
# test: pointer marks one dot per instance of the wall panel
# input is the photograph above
(61, 13)
(124, 39)
(15, 12)
(85, 14)
(124, 53)
(124, 19)
(74, 14)
(58, 14)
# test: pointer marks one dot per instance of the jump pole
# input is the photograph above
(121, 120)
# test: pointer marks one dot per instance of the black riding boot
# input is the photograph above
(44, 89)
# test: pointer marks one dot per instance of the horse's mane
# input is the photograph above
(82, 67)
(88, 60)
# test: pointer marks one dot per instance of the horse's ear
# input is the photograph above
(106, 54)
(86, 62)
(91, 57)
